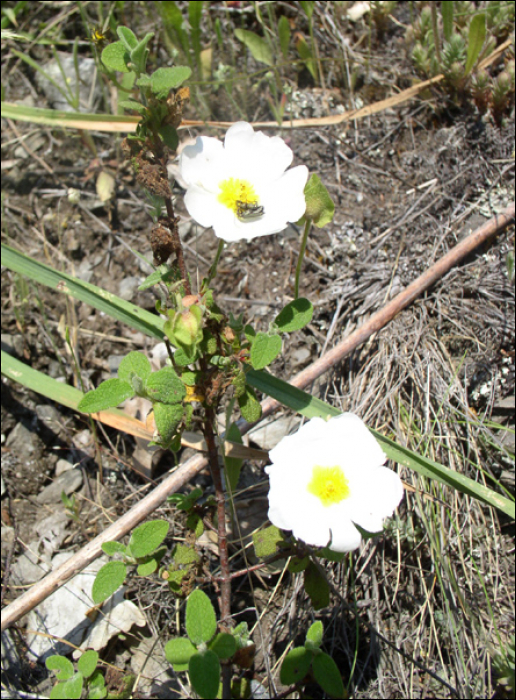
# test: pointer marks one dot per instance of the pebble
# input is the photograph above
(69, 481)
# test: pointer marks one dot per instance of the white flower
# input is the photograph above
(243, 188)
(328, 476)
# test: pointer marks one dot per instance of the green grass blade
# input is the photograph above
(72, 120)
(310, 407)
(117, 308)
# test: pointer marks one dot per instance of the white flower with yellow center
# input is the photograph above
(242, 188)
(327, 477)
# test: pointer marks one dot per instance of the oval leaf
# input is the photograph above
(115, 57)
(165, 386)
(315, 634)
(319, 205)
(249, 406)
(167, 417)
(204, 672)
(134, 364)
(109, 394)
(200, 621)
(178, 652)
(164, 79)
(327, 674)
(295, 666)
(224, 645)
(61, 665)
(476, 37)
(317, 587)
(88, 663)
(69, 690)
(110, 577)
(264, 350)
(258, 47)
(148, 537)
(295, 315)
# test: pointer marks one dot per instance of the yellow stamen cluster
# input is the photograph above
(235, 190)
(329, 485)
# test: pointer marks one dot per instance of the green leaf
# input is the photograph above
(258, 47)
(148, 567)
(200, 621)
(116, 57)
(164, 79)
(169, 135)
(264, 350)
(96, 686)
(178, 652)
(184, 555)
(112, 548)
(330, 554)
(284, 35)
(127, 37)
(110, 577)
(233, 465)
(69, 690)
(319, 205)
(294, 316)
(447, 15)
(134, 364)
(100, 299)
(306, 55)
(168, 417)
(298, 564)
(266, 541)
(132, 104)
(249, 406)
(204, 672)
(314, 636)
(88, 663)
(62, 666)
(295, 666)
(224, 645)
(148, 537)
(165, 386)
(317, 587)
(140, 52)
(109, 394)
(476, 38)
(327, 674)
(308, 7)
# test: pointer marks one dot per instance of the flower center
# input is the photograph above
(329, 485)
(239, 195)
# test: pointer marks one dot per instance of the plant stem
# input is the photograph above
(213, 268)
(224, 579)
(308, 226)
(177, 245)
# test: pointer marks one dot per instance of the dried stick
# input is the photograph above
(145, 507)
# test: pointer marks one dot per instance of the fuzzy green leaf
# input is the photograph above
(200, 621)
(178, 652)
(319, 205)
(110, 577)
(69, 690)
(147, 567)
(447, 15)
(295, 666)
(314, 636)
(112, 548)
(294, 316)
(116, 57)
(257, 45)
(317, 587)
(224, 645)
(296, 564)
(132, 104)
(184, 555)
(134, 364)
(266, 541)
(109, 394)
(167, 417)
(140, 52)
(148, 537)
(165, 386)
(204, 672)
(127, 37)
(327, 674)
(249, 406)
(264, 350)
(169, 135)
(164, 79)
(88, 663)
(62, 666)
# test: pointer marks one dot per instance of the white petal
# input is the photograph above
(200, 205)
(285, 199)
(345, 536)
(255, 155)
(376, 499)
(196, 160)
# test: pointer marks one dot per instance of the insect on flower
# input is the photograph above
(248, 211)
